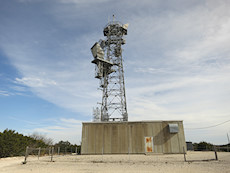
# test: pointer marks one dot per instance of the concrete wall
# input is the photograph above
(128, 137)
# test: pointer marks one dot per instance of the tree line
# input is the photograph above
(205, 146)
(14, 144)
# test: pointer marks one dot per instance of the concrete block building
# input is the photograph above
(133, 137)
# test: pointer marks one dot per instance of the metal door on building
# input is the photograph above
(149, 144)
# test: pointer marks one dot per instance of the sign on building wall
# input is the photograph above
(148, 144)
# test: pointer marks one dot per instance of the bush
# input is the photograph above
(66, 147)
(14, 144)
(203, 146)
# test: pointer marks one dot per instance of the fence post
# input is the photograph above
(228, 143)
(39, 152)
(215, 153)
(26, 154)
(52, 152)
(184, 154)
(58, 150)
(49, 151)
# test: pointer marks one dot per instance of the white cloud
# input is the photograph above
(88, 2)
(19, 88)
(71, 121)
(24, 1)
(214, 44)
(27, 122)
(35, 82)
(4, 93)
(187, 35)
(50, 129)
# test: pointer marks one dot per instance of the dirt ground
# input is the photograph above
(198, 162)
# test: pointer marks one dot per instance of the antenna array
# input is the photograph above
(109, 70)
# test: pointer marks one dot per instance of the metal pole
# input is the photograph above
(76, 150)
(184, 155)
(49, 150)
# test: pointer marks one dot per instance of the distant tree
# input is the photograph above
(203, 146)
(41, 137)
(225, 147)
(67, 147)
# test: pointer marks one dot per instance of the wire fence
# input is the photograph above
(223, 148)
(210, 155)
(52, 154)
(48, 154)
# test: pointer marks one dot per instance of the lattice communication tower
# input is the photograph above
(109, 70)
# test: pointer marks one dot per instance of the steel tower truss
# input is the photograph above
(109, 69)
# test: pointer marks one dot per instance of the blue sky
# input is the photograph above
(176, 61)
